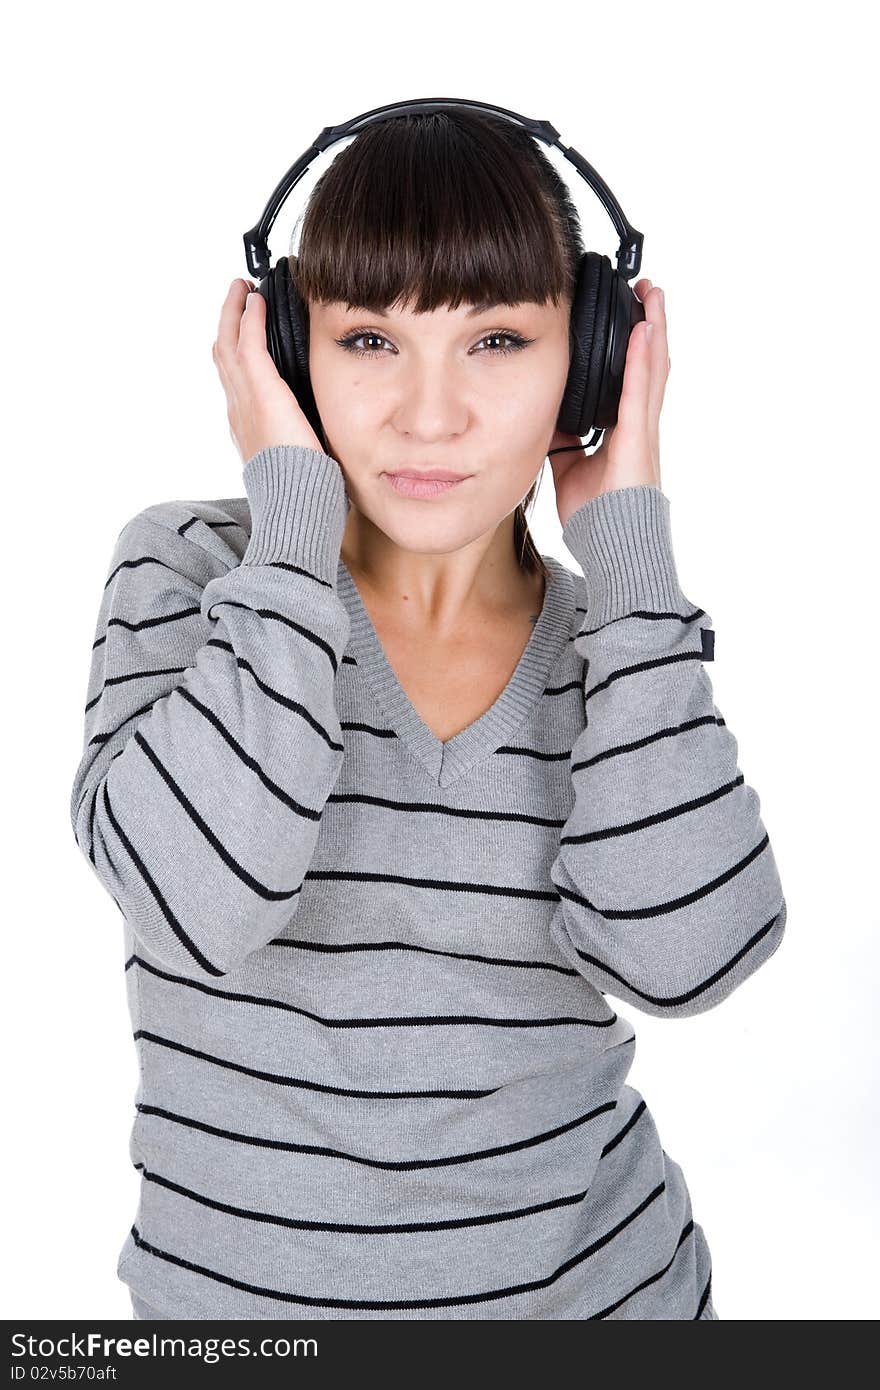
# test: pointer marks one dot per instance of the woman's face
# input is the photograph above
(449, 389)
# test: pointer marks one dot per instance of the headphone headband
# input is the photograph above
(629, 253)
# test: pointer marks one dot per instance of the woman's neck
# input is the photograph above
(442, 593)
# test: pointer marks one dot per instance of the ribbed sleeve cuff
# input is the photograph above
(623, 542)
(299, 508)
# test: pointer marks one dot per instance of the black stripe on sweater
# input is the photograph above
(672, 1001)
(664, 616)
(391, 1021)
(252, 762)
(358, 727)
(536, 753)
(669, 732)
(554, 690)
(673, 904)
(141, 560)
(272, 615)
(358, 1228)
(284, 700)
(135, 676)
(652, 664)
(270, 894)
(273, 564)
(157, 895)
(363, 798)
(296, 1083)
(657, 818)
(105, 738)
(402, 1165)
(400, 1228)
(704, 1299)
(147, 622)
(299, 944)
(653, 1279)
(445, 1302)
(440, 884)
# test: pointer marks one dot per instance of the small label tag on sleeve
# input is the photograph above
(708, 638)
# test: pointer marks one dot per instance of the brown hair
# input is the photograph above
(441, 208)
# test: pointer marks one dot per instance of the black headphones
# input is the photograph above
(604, 311)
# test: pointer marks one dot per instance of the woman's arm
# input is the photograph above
(669, 892)
(207, 762)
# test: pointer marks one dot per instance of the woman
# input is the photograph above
(389, 802)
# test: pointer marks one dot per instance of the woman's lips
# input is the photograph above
(421, 487)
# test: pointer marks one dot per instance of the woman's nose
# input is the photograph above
(432, 405)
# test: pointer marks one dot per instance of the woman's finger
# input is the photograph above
(655, 313)
(252, 331)
(254, 358)
(230, 321)
(632, 412)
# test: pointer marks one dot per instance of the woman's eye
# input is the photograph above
(513, 342)
(353, 338)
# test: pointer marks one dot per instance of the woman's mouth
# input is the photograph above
(408, 485)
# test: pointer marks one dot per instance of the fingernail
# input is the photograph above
(662, 298)
(649, 331)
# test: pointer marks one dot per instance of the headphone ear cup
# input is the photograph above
(294, 324)
(582, 387)
(625, 312)
(595, 389)
(287, 338)
(268, 288)
(604, 312)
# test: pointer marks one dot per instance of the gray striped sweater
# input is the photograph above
(379, 1076)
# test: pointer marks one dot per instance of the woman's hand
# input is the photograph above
(629, 454)
(261, 408)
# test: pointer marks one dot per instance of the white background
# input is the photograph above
(141, 142)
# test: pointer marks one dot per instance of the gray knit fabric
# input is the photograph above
(367, 970)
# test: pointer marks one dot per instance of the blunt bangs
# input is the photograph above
(424, 211)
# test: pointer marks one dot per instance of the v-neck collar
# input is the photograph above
(445, 761)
